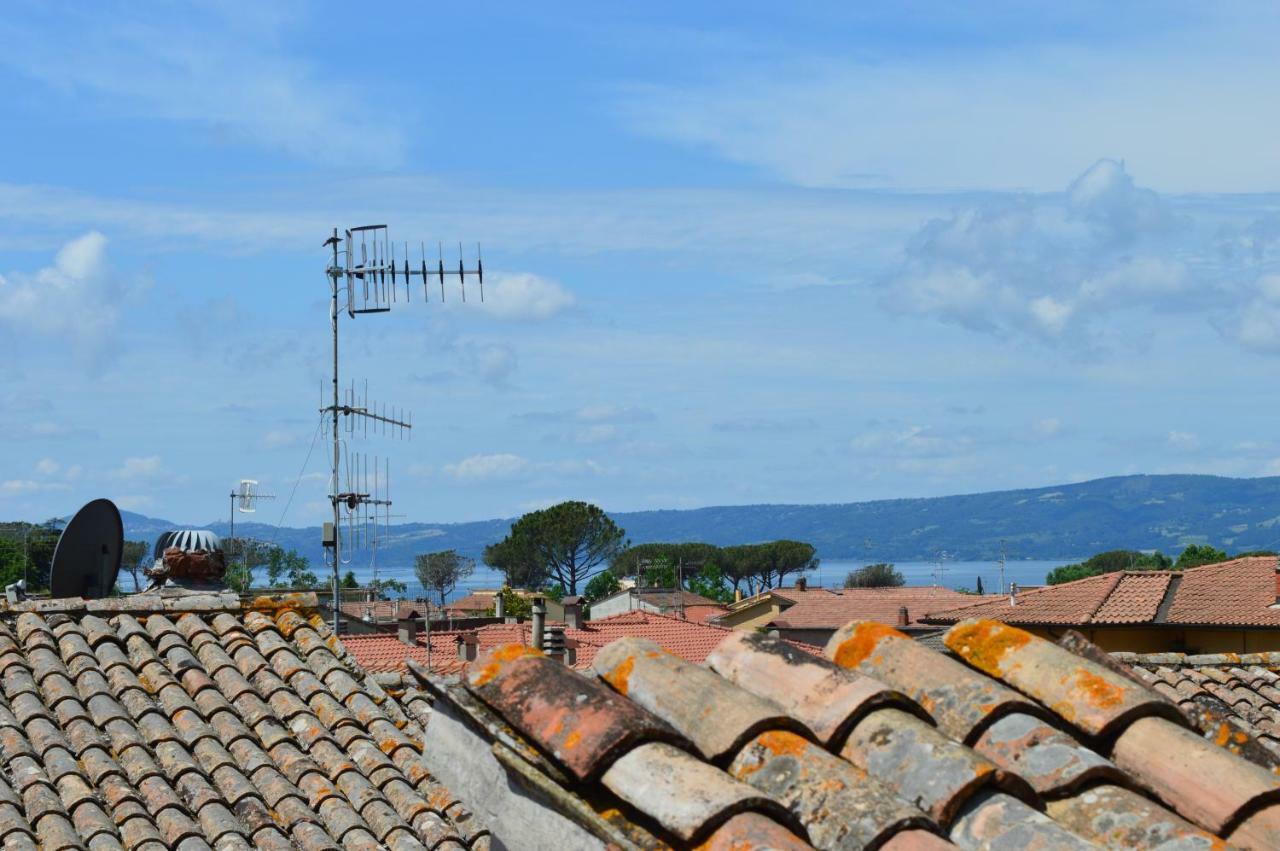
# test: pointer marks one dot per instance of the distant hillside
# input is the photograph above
(1139, 512)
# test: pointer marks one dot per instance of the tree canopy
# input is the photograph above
(1198, 554)
(879, 575)
(565, 544)
(289, 569)
(441, 571)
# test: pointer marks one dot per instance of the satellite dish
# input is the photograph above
(86, 561)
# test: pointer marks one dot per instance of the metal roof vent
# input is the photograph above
(188, 558)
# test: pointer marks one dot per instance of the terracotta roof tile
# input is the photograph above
(199, 726)
(689, 639)
(1240, 592)
(822, 608)
(1062, 762)
(1135, 598)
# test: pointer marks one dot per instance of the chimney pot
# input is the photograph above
(467, 646)
(408, 631)
(572, 612)
(554, 642)
(499, 605)
(737, 595)
(802, 584)
(1013, 593)
(904, 617)
(539, 621)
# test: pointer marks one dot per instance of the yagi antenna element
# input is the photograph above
(365, 269)
(373, 277)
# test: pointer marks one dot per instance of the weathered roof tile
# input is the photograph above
(1082, 692)
(828, 699)
(841, 806)
(704, 708)
(685, 795)
(577, 720)
(961, 701)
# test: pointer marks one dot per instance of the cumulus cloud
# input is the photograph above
(911, 442)
(1256, 324)
(139, 468)
(503, 465)
(526, 297)
(1048, 266)
(77, 299)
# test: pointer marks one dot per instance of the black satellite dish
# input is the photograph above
(87, 558)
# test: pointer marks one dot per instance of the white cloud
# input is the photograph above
(1052, 267)
(277, 439)
(76, 300)
(1004, 113)
(488, 467)
(1183, 441)
(226, 70)
(1047, 427)
(148, 467)
(23, 487)
(526, 297)
(1256, 324)
(48, 467)
(911, 442)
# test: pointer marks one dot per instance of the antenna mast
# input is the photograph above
(364, 262)
(247, 494)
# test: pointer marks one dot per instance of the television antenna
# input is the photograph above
(363, 267)
(243, 498)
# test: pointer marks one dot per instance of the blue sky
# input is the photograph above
(828, 255)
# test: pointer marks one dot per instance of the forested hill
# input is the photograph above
(1136, 512)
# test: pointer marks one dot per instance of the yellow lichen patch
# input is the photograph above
(500, 656)
(620, 677)
(1223, 736)
(862, 642)
(782, 743)
(1097, 691)
(572, 740)
(984, 643)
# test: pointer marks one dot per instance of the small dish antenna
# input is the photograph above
(86, 560)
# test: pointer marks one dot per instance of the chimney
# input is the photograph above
(802, 584)
(904, 617)
(1278, 583)
(737, 595)
(1013, 593)
(408, 631)
(572, 612)
(555, 643)
(467, 646)
(499, 606)
(539, 621)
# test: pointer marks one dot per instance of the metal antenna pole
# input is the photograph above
(232, 534)
(334, 273)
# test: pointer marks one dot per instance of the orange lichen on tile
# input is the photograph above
(862, 642)
(782, 743)
(619, 678)
(985, 643)
(1096, 690)
(499, 657)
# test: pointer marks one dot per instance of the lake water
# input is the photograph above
(830, 574)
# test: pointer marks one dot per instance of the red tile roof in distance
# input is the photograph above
(1013, 742)
(1239, 592)
(832, 608)
(688, 639)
